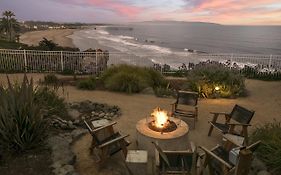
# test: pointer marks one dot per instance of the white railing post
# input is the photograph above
(61, 61)
(25, 60)
(270, 62)
(231, 60)
(96, 62)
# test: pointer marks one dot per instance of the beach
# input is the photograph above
(59, 36)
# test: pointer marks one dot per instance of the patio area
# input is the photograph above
(263, 99)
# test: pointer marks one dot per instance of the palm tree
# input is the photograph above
(9, 24)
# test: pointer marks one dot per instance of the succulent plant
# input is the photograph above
(22, 126)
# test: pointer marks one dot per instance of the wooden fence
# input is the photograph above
(52, 61)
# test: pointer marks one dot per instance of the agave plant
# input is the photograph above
(22, 126)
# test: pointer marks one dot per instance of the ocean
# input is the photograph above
(169, 42)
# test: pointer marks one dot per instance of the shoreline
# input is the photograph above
(59, 36)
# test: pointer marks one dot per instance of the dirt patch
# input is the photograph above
(30, 163)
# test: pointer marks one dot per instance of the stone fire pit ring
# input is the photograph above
(174, 140)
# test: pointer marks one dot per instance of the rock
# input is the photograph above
(74, 105)
(69, 123)
(258, 165)
(74, 114)
(56, 171)
(76, 122)
(101, 114)
(64, 156)
(263, 172)
(62, 171)
(83, 118)
(68, 168)
(56, 165)
(72, 173)
(115, 116)
(78, 133)
(148, 90)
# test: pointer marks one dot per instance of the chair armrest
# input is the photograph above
(103, 127)
(239, 124)
(219, 113)
(216, 115)
(177, 152)
(175, 102)
(113, 141)
(208, 152)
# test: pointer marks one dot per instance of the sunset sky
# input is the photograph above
(238, 12)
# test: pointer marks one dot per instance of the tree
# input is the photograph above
(48, 44)
(9, 24)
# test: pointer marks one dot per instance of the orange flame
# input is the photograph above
(161, 117)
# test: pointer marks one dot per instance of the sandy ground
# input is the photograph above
(58, 36)
(264, 98)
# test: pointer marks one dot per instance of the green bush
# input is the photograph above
(253, 73)
(22, 126)
(204, 78)
(164, 91)
(123, 82)
(51, 102)
(270, 151)
(87, 84)
(51, 79)
(131, 79)
(68, 72)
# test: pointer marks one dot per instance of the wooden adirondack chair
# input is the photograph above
(239, 116)
(217, 160)
(186, 105)
(106, 142)
(176, 162)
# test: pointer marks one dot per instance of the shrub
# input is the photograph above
(68, 72)
(156, 78)
(22, 126)
(204, 78)
(51, 102)
(253, 73)
(124, 82)
(87, 84)
(51, 79)
(164, 91)
(270, 151)
(131, 79)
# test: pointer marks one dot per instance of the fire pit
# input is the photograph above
(160, 127)
(159, 121)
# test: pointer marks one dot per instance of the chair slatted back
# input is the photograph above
(177, 160)
(96, 140)
(241, 114)
(187, 98)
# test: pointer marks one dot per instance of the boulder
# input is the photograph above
(258, 165)
(148, 90)
(74, 114)
(263, 172)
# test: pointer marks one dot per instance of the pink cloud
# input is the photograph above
(235, 12)
(118, 7)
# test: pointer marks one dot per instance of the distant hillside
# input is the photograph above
(179, 22)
